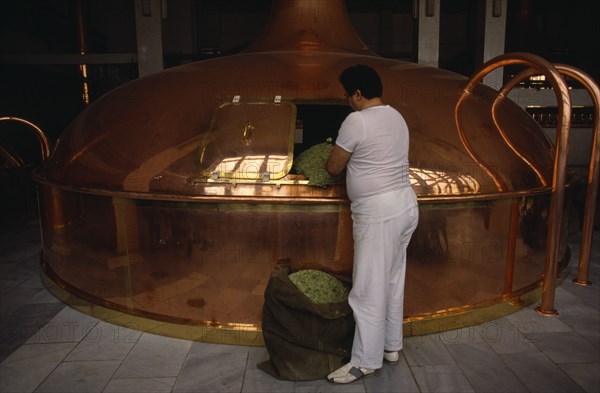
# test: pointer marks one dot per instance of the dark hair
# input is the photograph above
(364, 78)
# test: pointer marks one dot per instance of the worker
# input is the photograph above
(372, 146)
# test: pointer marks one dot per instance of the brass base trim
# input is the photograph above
(251, 335)
(471, 315)
(235, 335)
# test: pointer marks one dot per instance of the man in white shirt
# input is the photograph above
(372, 146)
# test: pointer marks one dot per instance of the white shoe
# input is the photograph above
(391, 357)
(349, 373)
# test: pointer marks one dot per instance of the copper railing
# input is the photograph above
(560, 159)
(44, 143)
(593, 174)
(594, 168)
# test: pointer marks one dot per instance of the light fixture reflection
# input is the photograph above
(425, 181)
(252, 167)
(438, 182)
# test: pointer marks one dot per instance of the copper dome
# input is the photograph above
(146, 136)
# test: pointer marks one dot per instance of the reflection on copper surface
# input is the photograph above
(253, 167)
(509, 268)
(507, 139)
(436, 182)
(487, 168)
(424, 181)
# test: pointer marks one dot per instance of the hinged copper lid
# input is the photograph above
(249, 140)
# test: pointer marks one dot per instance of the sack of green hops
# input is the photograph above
(311, 163)
(306, 339)
(320, 287)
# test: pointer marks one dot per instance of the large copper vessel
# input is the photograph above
(174, 196)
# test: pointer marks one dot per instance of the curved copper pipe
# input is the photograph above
(594, 168)
(560, 158)
(14, 159)
(593, 175)
(44, 143)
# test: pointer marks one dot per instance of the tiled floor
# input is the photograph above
(47, 346)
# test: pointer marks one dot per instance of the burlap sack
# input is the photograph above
(305, 341)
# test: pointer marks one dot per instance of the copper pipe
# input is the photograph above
(44, 143)
(15, 160)
(560, 159)
(594, 168)
(593, 175)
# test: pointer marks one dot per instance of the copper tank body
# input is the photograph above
(173, 196)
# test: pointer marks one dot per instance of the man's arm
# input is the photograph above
(337, 160)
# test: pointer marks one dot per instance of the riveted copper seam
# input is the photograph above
(560, 159)
(44, 143)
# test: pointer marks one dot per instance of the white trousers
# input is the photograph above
(382, 228)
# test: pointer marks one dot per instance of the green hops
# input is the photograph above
(311, 163)
(320, 287)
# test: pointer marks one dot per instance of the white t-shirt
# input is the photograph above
(378, 139)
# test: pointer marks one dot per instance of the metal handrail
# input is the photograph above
(593, 175)
(44, 143)
(560, 158)
(594, 168)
